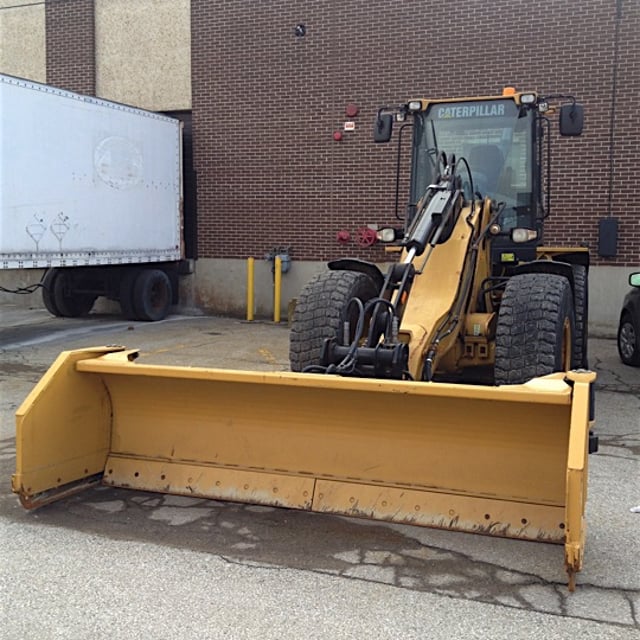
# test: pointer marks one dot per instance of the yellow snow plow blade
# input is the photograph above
(505, 461)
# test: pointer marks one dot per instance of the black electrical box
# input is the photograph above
(608, 237)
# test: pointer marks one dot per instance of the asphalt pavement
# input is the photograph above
(112, 563)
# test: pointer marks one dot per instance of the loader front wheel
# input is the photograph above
(535, 330)
(321, 311)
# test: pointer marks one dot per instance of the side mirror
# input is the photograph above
(634, 279)
(571, 119)
(383, 127)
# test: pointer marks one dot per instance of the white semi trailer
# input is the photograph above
(90, 190)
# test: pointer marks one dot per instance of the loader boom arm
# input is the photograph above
(438, 288)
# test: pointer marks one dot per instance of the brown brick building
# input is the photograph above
(265, 102)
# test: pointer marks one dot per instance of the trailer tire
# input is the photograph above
(535, 329)
(581, 307)
(47, 292)
(69, 303)
(321, 311)
(152, 295)
(126, 294)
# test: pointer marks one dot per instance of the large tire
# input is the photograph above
(581, 308)
(126, 294)
(535, 329)
(152, 295)
(69, 303)
(321, 311)
(47, 292)
(629, 341)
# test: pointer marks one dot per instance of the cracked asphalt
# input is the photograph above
(112, 563)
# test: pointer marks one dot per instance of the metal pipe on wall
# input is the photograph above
(250, 288)
(277, 288)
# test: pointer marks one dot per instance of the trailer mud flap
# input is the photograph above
(504, 461)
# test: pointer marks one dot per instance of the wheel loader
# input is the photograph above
(450, 390)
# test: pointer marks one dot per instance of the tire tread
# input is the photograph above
(532, 313)
(319, 311)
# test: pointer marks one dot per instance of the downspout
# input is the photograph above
(614, 88)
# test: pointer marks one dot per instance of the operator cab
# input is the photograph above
(495, 139)
(496, 147)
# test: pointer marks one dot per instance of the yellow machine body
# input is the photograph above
(506, 461)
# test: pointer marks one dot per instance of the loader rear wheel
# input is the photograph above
(535, 330)
(321, 311)
(581, 307)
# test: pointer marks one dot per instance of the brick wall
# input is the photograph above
(626, 140)
(265, 105)
(70, 36)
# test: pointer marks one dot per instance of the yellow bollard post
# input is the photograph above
(277, 288)
(250, 288)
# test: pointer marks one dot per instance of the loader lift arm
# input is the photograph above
(381, 354)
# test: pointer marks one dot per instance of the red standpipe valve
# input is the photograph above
(366, 237)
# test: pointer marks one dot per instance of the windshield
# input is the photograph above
(495, 139)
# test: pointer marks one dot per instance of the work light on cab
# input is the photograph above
(388, 234)
(523, 235)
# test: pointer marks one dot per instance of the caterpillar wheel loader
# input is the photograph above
(450, 391)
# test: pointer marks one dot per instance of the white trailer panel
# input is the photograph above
(85, 181)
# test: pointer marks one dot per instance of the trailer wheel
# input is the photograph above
(152, 295)
(581, 307)
(69, 303)
(321, 312)
(47, 292)
(126, 294)
(535, 330)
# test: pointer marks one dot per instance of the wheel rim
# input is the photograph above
(159, 296)
(627, 340)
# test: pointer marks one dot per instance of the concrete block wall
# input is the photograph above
(22, 39)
